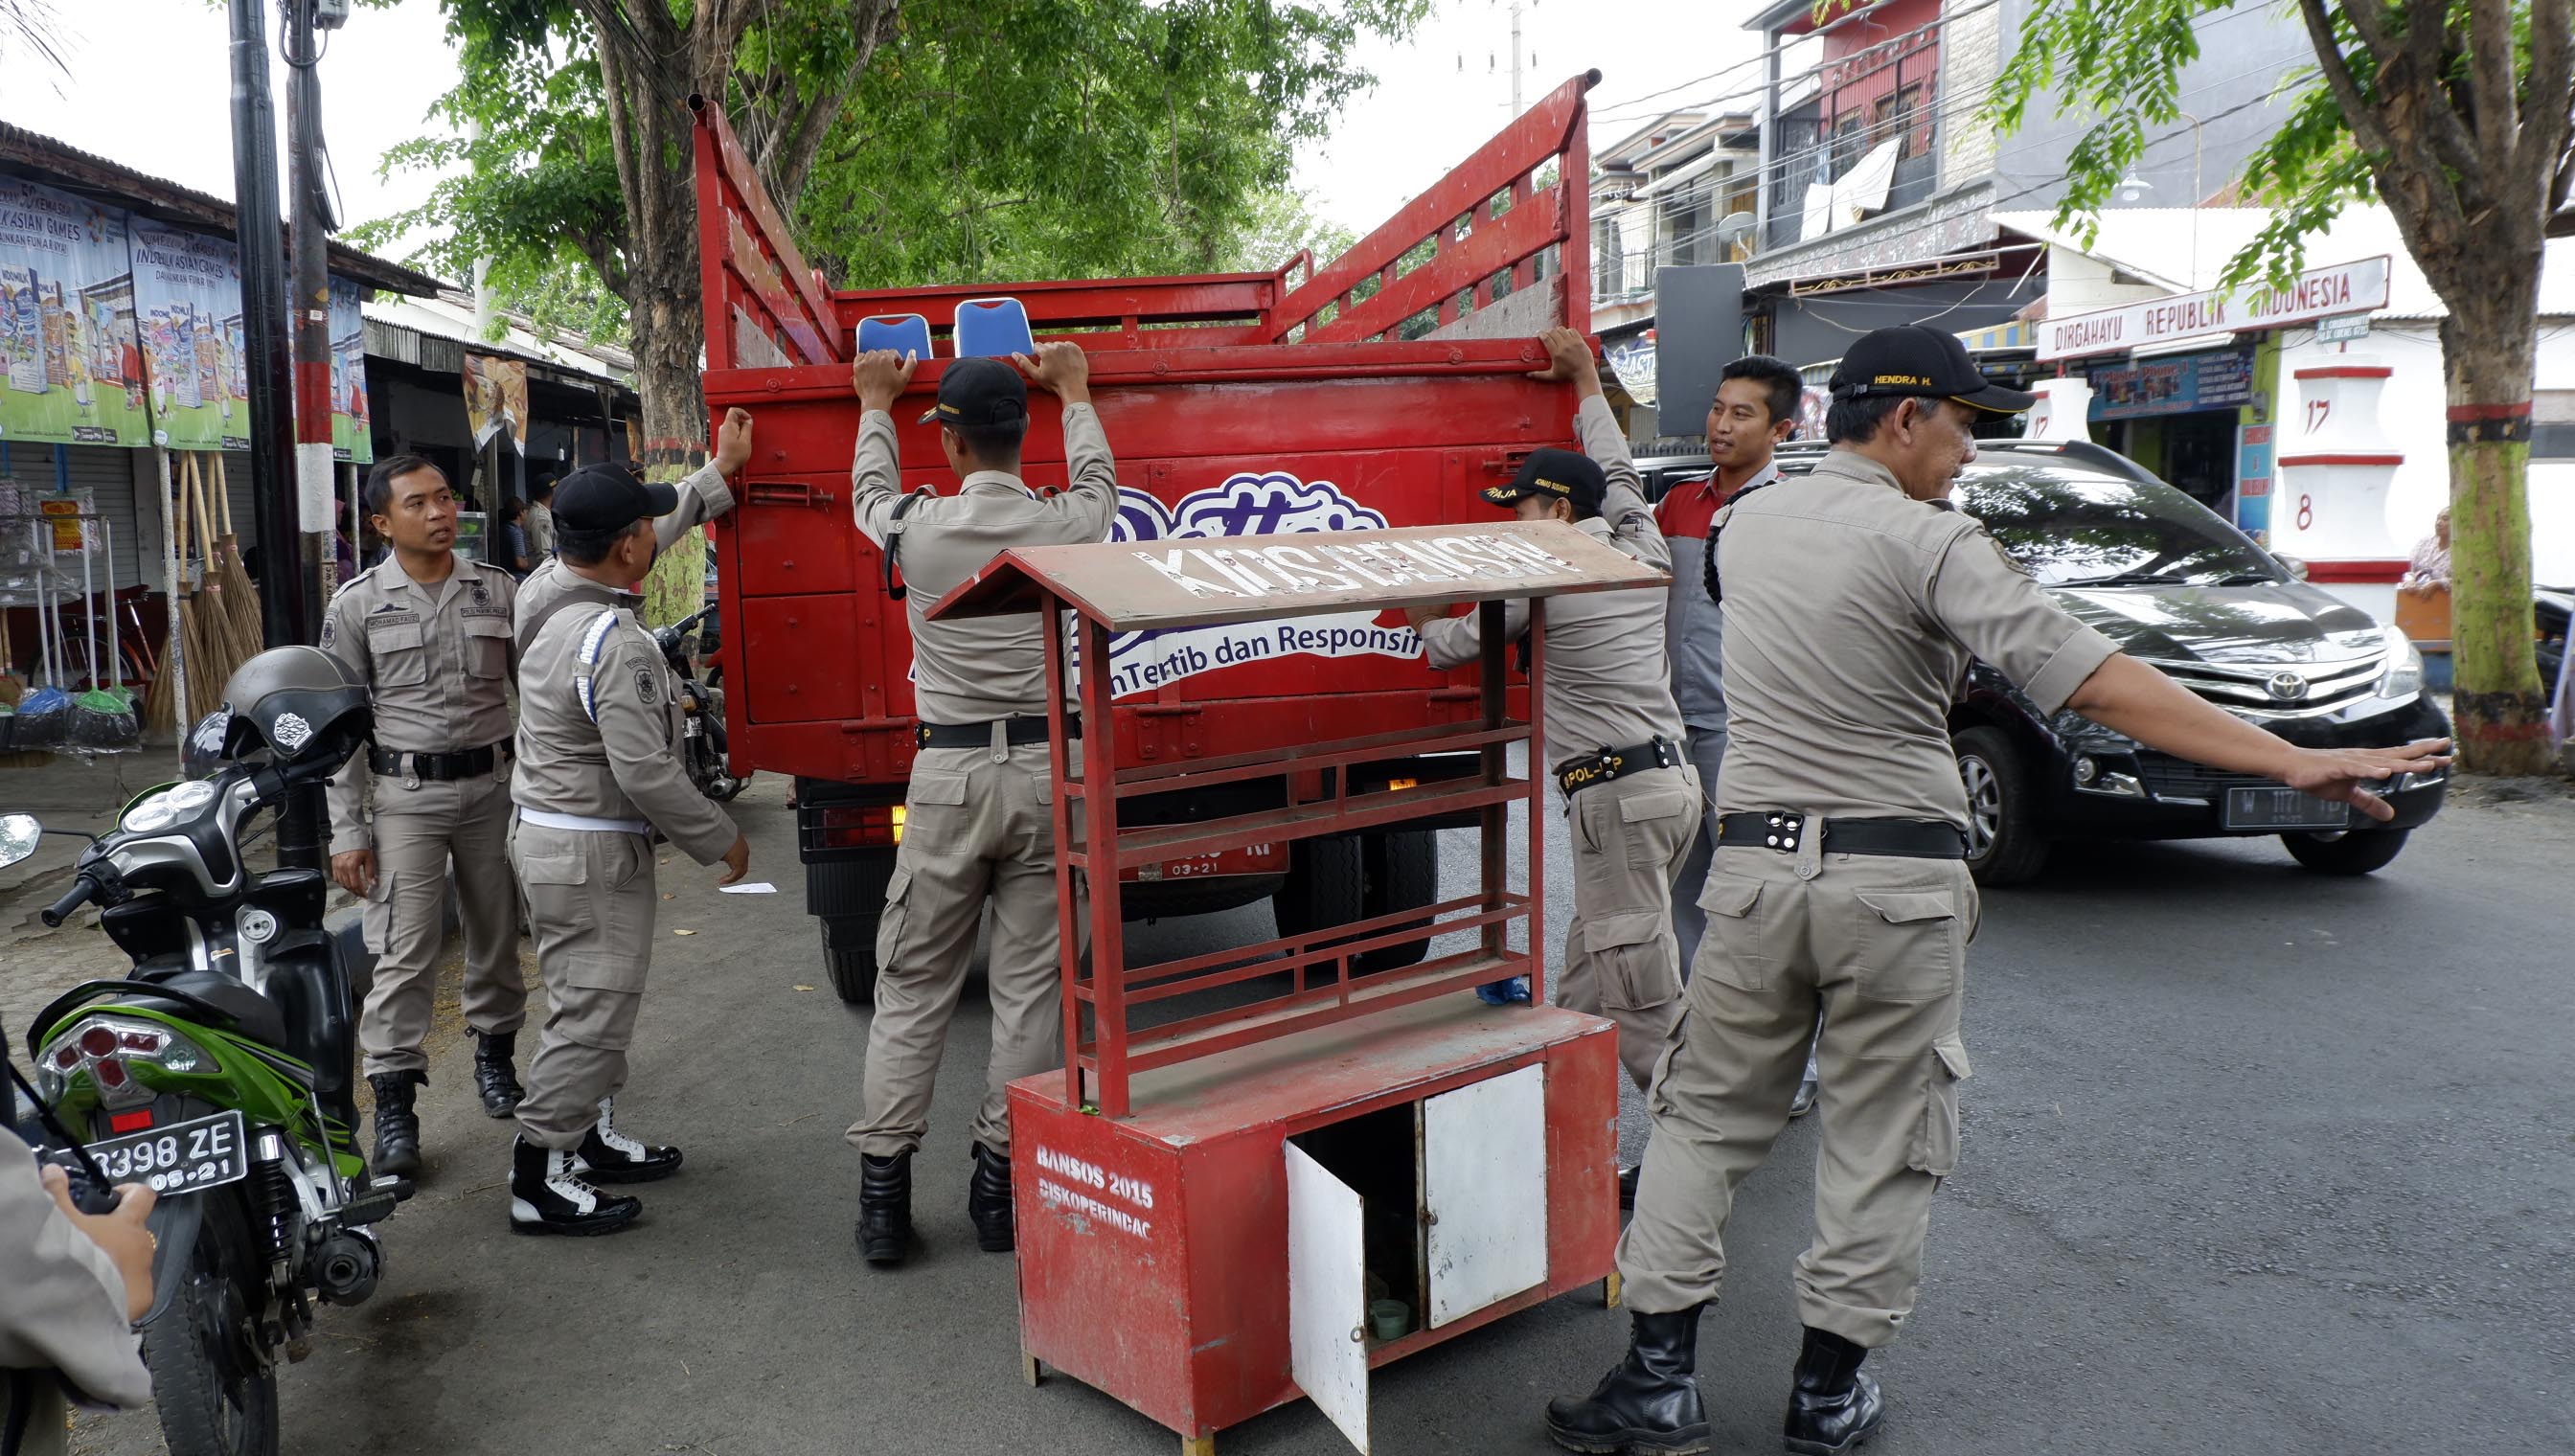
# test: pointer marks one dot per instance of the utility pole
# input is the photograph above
(1515, 57)
(285, 603)
(310, 222)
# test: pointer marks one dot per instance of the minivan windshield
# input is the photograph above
(2076, 529)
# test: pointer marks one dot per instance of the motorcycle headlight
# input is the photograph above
(174, 804)
(2404, 677)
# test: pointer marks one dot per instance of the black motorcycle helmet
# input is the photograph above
(300, 705)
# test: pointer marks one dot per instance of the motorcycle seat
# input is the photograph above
(253, 1015)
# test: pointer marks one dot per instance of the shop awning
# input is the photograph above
(2018, 334)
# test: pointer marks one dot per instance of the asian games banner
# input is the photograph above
(69, 370)
(188, 316)
(351, 424)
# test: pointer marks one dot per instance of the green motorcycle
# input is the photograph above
(219, 1070)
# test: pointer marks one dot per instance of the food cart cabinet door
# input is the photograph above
(1327, 1295)
(1483, 1187)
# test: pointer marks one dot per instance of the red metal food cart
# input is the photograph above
(1327, 1170)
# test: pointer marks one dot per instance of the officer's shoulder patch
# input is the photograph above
(648, 684)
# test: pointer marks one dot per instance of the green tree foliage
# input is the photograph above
(2459, 115)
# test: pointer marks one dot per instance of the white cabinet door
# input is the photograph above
(1327, 1295)
(1484, 1189)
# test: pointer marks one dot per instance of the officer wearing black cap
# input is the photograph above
(1852, 605)
(1611, 725)
(703, 496)
(979, 827)
(598, 778)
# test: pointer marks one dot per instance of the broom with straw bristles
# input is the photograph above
(241, 598)
(210, 650)
(161, 702)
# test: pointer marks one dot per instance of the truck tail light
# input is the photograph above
(858, 827)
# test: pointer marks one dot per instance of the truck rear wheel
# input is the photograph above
(850, 953)
(1338, 880)
(1402, 874)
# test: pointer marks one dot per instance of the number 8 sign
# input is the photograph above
(2306, 513)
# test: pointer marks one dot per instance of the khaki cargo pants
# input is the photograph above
(977, 826)
(1629, 836)
(1880, 944)
(591, 903)
(418, 829)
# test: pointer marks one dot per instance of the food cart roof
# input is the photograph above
(1147, 586)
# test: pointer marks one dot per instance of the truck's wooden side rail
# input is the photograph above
(1486, 222)
(765, 307)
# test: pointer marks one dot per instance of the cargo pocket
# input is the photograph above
(375, 922)
(889, 927)
(1731, 947)
(555, 886)
(1656, 827)
(1936, 1142)
(934, 810)
(602, 995)
(487, 645)
(1635, 965)
(1909, 945)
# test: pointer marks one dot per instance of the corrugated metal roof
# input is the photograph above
(42, 159)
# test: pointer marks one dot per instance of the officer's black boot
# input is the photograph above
(610, 1156)
(1648, 1402)
(396, 1122)
(988, 1200)
(547, 1195)
(885, 1208)
(494, 1076)
(1836, 1404)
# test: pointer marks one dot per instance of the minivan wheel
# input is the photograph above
(2003, 845)
(2351, 852)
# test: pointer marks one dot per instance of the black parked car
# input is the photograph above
(2181, 588)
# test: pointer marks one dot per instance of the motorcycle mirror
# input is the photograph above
(18, 836)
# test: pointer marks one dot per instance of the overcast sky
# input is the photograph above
(150, 87)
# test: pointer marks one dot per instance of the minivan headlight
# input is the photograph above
(2404, 676)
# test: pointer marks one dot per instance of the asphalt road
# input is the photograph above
(2256, 1162)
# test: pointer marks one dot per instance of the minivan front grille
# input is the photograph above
(2281, 689)
(2179, 781)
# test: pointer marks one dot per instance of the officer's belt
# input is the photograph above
(1784, 831)
(1608, 764)
(549, 820)
(468, 764)
(1015, 732)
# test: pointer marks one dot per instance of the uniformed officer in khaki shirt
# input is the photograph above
(1613, 734)
(599, 777)
(703, 496)
(1852, 601)
(978, 825)
(429, 633)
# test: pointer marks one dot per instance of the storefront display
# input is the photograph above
(66, 322)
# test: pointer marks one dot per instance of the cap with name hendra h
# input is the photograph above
(1563, 474)
(1915, 359)
(609, 497)
(978, 392)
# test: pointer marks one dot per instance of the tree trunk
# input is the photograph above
(667, 336)
(2487, 352)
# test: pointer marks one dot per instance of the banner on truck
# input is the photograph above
(69, 372)
(188, 317)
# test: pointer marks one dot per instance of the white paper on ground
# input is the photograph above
(756, 886)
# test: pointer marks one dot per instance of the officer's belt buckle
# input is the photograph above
(1782, 830)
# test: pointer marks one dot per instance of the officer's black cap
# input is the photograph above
(979, 393)
(608, 498)
(1562, 474)
(1917, 359)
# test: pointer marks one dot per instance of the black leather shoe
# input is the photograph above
(494, 1076)
(885, 1208)
(988, 1201)
(396, 1122)
(1627, 1186)
(1836, 1404)
(610, 1156)
(547, 1195)
(1648, 1402)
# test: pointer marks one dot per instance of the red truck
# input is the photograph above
(1385, 388)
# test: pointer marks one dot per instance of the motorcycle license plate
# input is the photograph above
(183, 1157)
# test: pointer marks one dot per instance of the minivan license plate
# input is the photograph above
(2283, 808)
(183, 1157)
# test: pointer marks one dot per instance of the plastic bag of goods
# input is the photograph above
(40, 720)
(102, 720)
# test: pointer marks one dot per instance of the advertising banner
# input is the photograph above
(2172, 386)
(188, 316)
(352, 427)
(496, 394)
(69, 372)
